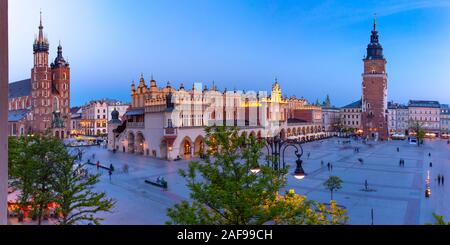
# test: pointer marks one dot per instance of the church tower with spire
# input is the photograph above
(374, 94)
(41, 84)
(50, 89)
(60, 71)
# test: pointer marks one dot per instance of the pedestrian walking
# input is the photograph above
(366, 184)
(331, 169)
(111, 167)
(321, 163)
(398, 149)
(329, 166)
(110, 174)
(125, 168)
(309, 154)
(98, 165)
(431, 164)
(442, 179)
(429, 154)
(439, 179)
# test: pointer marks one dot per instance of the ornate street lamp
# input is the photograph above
(276, 149)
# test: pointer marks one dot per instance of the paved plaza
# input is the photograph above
(396, 194)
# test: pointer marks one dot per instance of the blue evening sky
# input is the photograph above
(314, 47)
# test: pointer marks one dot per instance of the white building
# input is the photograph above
(167, 123)
(96, 114)
(428, 114)
(398, 119)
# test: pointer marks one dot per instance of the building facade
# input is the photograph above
(374, 91)
(331, 118)
(300, 109)
(46, 94)
(427, 114)
(445, 121)
(96, 114)
(351, 117)
(168, 123)
(75, 121)
(398, 119)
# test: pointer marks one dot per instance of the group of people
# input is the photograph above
(82, 172)
(329, 165)
(440, 179)
(356, 150)
(402, 162)
(161, 181)
(110, 169)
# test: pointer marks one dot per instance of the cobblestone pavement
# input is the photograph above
(396, 193)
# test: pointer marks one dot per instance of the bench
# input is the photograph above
(100, 166)
(162, 185)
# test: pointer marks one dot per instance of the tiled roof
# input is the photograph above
(424, 103)
(354, 105)
(396, 106)
(295, 120)
(20, 88)
(74, 110)
(330, 107)
(15, 116)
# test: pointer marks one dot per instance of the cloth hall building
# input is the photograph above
(168, 123)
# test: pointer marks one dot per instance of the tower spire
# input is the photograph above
(40, 18)
(375, 21)
(40, 43)
(41, 27)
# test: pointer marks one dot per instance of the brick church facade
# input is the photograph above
(41, 103)
(374, 99)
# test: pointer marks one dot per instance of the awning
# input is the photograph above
(135, 112)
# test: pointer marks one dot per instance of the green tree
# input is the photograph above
(439, 220)
(225, 192)
(76, 199)
(32, 165)
(417, 128)
(43, 170)
(293, 209)
(333, 183)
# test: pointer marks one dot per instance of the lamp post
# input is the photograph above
(276, 149)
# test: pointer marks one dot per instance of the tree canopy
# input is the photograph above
(224, 191)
